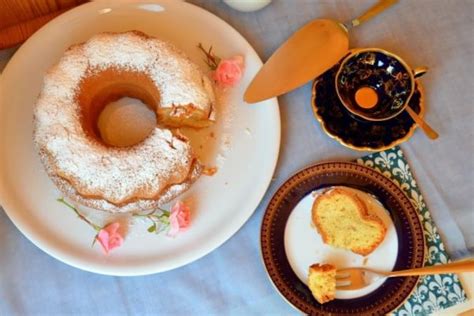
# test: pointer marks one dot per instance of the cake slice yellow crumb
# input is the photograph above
(342, 219)
(322, 282)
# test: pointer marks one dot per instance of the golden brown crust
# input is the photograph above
(326, 267)
(135, 205)
(363, 212)
(325, 298)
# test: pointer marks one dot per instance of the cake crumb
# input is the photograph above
(364, 262)
(209, 171)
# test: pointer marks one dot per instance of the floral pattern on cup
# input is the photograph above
(384, 74)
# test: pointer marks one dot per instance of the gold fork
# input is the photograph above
(354, 278)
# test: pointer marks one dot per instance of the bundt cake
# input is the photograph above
(106, 68)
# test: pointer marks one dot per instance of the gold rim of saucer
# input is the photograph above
(343, 143)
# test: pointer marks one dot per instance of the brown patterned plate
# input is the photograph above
(411, 245)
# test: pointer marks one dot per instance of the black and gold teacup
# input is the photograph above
(374, 84)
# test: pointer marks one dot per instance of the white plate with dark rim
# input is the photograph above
(289, 243)
(245, 148)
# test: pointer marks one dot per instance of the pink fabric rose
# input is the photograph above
(109, 237)
(180, 218)
(229, 71)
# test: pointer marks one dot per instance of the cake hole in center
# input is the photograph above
(125, 122)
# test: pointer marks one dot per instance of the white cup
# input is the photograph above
(247, 5)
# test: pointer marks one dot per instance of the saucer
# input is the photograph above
(357, 133)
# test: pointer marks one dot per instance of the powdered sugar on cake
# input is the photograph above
(181, 81)
(110, 178)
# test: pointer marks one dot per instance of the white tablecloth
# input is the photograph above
(232, 279)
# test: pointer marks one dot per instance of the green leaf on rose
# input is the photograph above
(94, 240)
(152, 228)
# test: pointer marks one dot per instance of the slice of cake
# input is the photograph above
(322, 282)
(342, 219)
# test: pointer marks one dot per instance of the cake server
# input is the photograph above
(313, 49)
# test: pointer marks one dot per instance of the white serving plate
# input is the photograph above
(245, 148)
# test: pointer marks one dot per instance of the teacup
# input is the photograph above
(374, 84)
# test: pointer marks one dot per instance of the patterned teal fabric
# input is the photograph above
(435, 292)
